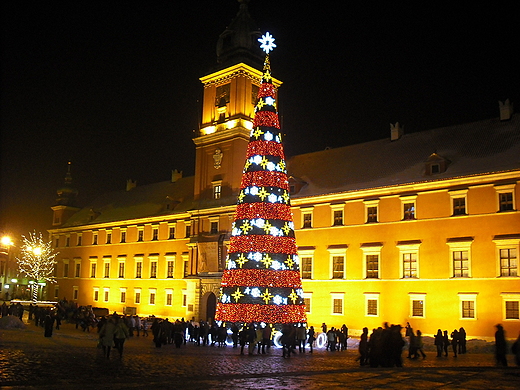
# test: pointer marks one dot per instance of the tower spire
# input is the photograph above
(262, 280)
(67, 193)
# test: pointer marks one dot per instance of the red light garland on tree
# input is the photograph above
(262, 281)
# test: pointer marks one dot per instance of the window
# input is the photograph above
(93, 266)
(123, 294)
(109, 237)
(337, 214)
(106, 293)
(508, 262)
(77, 268)
(214, 227)
(67, 241)
(65, 268)
(123, 236)
(337, 303)
(507, 250)
(409, 253)
(511, 306)
(307, 300)
(467, 304)
(458, 202)
(186, 264)
(372, 265)
(460, 264)
(338, 217)
(417, 305)
(460, 253)
(217, 189)
(408, 207)
(140, 234)
(138, 267)
(372, 254)
(169, 297)
(137, 295)
(153, 269)
(96, 294)
(78, 243)
(188, 228)
(152, 296)
(121, 268)
(306, 256)
(155, 233)
(372, 304)
(75, 293)
(307, 220)
(170, 268)
(506, 200)
(371, 215)
(338, 267)
(94, 238)
(184, 298)
(171, 234)
(106, 267)
(337, 255)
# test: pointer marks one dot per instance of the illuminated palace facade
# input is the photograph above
(420, 228)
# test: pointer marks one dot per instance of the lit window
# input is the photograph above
(508, 262)
(408, 207)
(371, 212)
(372, 266)
(409, 265)
(217, 191)
(338, 267)
(460, 252)
(417, 305)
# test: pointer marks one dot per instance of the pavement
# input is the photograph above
(70, 359)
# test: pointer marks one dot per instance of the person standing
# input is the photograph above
(301, 337)
(48, 323)
(516, 350)
(454, 341)
(500, 345)
(312, 336)
(121, 333)
(363, 348)
(446, 342)
(439, 342)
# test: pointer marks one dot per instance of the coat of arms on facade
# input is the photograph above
(217, 158)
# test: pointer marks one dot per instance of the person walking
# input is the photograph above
(312, 336)
(106, 337)
(418, 348)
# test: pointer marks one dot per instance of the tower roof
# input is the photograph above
(67, 193)
(239, 41)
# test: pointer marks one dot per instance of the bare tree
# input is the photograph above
(37, 260)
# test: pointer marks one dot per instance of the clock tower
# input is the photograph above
(230, 94)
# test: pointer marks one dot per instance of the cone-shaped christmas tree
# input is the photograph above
(262, 280)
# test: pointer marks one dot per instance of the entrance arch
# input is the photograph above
(211, 307)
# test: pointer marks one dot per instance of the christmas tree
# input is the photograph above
(262, 280)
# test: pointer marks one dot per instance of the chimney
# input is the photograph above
(506, 110)
(176, 175)
(131, 184)
(396, 131)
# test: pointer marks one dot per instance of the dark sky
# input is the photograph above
(113, 85)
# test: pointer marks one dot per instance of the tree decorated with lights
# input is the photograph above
(261, 282)
(37, 260)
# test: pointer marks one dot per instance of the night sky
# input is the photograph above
(113, 86)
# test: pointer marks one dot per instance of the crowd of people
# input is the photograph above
(382, 348)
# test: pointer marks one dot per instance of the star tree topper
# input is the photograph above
(267, 42)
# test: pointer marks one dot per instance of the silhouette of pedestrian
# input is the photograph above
(454, 341)
(500, 345)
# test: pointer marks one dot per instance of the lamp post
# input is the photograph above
(6, 243)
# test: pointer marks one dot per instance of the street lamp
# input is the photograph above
(5, 243)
